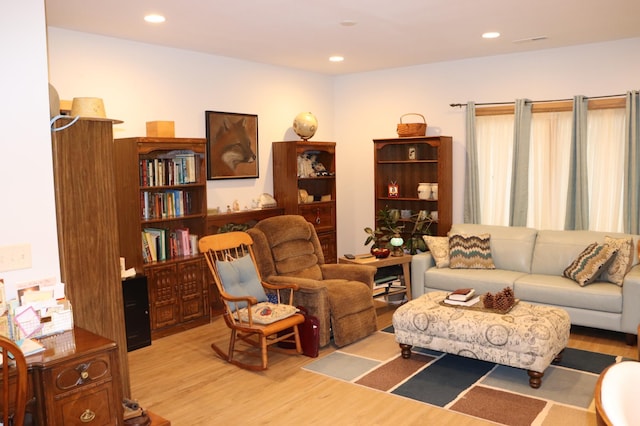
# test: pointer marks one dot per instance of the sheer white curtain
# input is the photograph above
(605, 162)
(548, 170)
(494, 140)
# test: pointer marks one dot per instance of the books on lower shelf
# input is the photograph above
(160, 244)
(385, 285)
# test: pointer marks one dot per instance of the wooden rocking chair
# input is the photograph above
(247, 311)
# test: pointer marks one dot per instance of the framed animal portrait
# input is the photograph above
(232, 145)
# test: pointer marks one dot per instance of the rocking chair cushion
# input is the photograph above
(267, 312)
(239, 278)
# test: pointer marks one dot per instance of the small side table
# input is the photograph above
(404, 260)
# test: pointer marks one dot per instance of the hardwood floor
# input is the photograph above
(180, 378)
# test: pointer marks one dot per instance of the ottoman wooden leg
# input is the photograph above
(558, 357)
(535, 378)
(405, 350)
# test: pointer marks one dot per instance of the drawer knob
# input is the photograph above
(84, 375)
(87, 416)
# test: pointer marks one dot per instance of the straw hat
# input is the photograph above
(88, 107)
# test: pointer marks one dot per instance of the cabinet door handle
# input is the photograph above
(317, 216)
(87, 416)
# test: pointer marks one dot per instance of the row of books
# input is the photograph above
(165, 204)
(177, 170)
(162, 244)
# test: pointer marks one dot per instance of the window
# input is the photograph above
(549, 159)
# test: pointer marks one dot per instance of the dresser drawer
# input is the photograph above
(321, 215)
(93, 407)
(80, 373)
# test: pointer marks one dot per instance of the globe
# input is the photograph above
(305, 125)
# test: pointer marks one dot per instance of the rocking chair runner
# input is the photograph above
(247, 311)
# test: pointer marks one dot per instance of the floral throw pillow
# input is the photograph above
(622, 261)
(439, 248)
(589, 264)
(470, 251)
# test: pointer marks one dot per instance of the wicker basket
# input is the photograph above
(406, 130)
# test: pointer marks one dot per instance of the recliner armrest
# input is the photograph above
(349, 272)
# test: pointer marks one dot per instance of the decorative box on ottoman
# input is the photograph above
(527, 336)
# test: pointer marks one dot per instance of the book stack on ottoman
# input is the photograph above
(527, 336)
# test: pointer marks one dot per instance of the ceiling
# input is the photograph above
(302, 34)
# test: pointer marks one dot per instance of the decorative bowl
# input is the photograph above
(380, 252)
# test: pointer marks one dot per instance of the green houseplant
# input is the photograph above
(387, 227)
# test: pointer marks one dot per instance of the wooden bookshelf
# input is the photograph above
(161, 184)
(287, 185)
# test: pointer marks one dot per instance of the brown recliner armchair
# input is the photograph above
(287, 250)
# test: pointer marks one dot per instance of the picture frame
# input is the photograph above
(232, 145)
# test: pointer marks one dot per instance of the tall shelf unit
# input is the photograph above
(320, 206)
(408, 162)
(84, 185)
(162, 188)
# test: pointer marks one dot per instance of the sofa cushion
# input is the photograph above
(561, 291)
(621, 263)
(439, 248)
(470, 251)
(511, 246)
(482, 280)
(590, 263)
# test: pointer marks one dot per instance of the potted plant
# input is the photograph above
(421, 224)
(380, 236)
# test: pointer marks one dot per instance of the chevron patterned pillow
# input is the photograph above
(470, 251)
(589, 264)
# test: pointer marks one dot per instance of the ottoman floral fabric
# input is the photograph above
(528, 336)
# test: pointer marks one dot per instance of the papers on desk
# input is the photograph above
(30, 346)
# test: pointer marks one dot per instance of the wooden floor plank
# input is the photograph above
(181, 379)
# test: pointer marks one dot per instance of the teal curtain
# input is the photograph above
(631, 190)
(471, 190)
(519, 200)
(578, 194)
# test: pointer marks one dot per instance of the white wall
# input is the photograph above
(27, 212)
(141, 82)
(368, 106)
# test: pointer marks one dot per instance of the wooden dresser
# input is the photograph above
(75, 381)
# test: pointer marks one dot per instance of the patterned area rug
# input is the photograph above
(481, 389)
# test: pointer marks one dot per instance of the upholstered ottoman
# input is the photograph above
(528, 336)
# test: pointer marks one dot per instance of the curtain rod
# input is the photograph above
(535, 102)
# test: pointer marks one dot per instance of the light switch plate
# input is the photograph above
(15, 257)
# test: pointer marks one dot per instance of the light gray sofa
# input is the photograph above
(532, 262)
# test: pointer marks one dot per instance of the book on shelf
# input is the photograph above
(469, 302)
(462, 294)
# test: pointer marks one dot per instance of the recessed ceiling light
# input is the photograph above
(491, 34)
(336, 58)
(154, 19)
